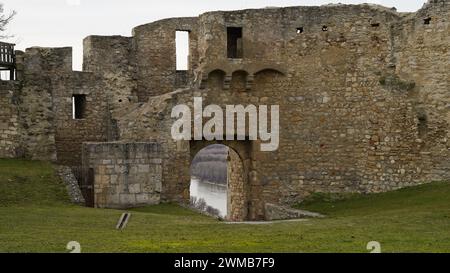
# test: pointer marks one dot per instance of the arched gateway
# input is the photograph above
(238, 160)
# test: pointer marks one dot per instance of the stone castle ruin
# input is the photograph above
(363, 90)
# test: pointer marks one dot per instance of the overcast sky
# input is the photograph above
(66, 22)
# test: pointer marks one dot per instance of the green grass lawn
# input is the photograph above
(36, 217)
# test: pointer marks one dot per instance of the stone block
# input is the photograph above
(134, 188)
(143, 168)
(127, 199)
(142, 198)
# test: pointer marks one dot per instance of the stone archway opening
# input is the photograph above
(219, 181)
(208, 189)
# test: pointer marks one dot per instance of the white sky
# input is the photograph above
(58, 23)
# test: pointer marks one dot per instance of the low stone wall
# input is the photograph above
(276, 212)
(123, 175)
(73, 189)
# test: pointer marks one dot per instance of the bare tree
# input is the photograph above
(5, 19)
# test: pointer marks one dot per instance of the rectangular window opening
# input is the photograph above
(182, 50)
(78, 106)
(235, 43)
(5, 75)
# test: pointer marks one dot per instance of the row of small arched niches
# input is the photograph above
(227, 78)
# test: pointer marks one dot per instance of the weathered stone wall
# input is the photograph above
(237, 204)
(125, 174)
(48, 85)
(155, 50)
(36, 108)
(151, 122)
(348, 119)
(9, 120)
(113, 59)
(362, 90)
(423, 51)
(96, 124)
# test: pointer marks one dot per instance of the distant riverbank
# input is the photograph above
(215, 195)
(209, 182)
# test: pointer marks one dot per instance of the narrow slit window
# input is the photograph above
(78, 106)
(182, 50)
(235, 43)
(423, 125)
